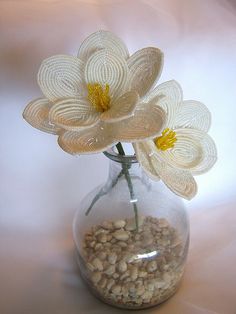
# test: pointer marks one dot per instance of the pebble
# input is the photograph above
(96, 277)
(102, 238)
(122, 244)
(121, 235)
(163, 223)
(90, 267)
(98, 246)
(115, 276)
(147, 296)
(142, 274)
(112, 258)
(129, 257)
(150, 286)
(131, 223)
(119, 224)
(147, 239)
(122, 266)
(125, 275)
(120, 269)
(107, 225)
(102, 255)
(140, 290)
(97, 264)
(152, 266)
(160, 284)
(110, 270)
(116, 289)
(103, 283)
(110, 283)
(134, 273)
(92, 244)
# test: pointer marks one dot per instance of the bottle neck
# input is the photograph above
(119, 165)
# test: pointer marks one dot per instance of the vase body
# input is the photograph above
(131, 238)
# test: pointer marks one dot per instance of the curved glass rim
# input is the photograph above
(111, 154)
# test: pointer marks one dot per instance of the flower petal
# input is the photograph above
(61, 76)
(73, 113)
(144, 152)
(102, 40)
(122, 108)
(87, 141)
(104, 67)
(145, 66)
(147, 122)
(193, 114)
(179, 181)
(194, 150)
(36, 114)
(168, 96)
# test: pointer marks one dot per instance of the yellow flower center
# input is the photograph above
(166, 140)
(99, 96)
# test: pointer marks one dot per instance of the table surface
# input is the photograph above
(41, 186)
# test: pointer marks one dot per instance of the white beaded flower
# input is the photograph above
(93, 100)
(184, 149)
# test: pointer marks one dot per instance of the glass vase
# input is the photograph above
(131, 237)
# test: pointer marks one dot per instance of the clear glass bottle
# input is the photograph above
(131, 237)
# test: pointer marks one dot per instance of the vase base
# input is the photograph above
(127, 307)
(132, 268)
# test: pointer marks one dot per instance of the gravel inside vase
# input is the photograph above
(132, 268)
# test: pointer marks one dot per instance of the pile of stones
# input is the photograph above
(130, 267)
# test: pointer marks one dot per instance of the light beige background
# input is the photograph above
(41, 186)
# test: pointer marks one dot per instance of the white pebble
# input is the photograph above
(122, 244)
(147, 240)
(107, 225)
(121, 235)
(147, 296)
(98, 246)
(125, 275)
(134, 273)
(140, 290)
(131, 223)
(102, 238)
(92, 243)
(142, 274)
(129, 257)
(97, 264)
(102, 255)
(96, 277)
(122, 266)
(163, 223)
(90, 267)
(152, 266)
(119, 224)
(102, 283)
(116, 289)
(110, 283)
(112, 258)
(160, 284)
(151, 286)
(110, 270)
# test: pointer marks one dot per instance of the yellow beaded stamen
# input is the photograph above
(166, 140)
(99, 96)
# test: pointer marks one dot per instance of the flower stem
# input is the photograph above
(103, 192)
(129, 182)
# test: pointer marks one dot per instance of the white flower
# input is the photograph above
(93, 100)
(184, 149)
